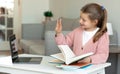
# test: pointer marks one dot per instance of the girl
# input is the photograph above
(91, 36)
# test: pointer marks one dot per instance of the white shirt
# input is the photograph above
(87, 35)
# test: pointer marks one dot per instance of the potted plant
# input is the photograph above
(48, 15)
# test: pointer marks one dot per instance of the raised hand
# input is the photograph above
(58, 28)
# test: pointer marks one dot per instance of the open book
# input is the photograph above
(67, 55)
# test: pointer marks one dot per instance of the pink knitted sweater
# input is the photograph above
(74, 39)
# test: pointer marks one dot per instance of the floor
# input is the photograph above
(5, 53)
(8, 52)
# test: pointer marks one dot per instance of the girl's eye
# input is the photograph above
(83, 20)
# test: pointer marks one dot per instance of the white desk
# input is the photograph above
(47, 68)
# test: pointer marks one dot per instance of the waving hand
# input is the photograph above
(58, 28)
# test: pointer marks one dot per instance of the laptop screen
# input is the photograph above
(13, 47)
(16, 58)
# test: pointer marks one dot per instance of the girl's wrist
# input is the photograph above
(56, 34)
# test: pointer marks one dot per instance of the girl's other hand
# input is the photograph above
(86, 60)
(58, 28)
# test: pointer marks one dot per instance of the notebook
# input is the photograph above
(16, 58)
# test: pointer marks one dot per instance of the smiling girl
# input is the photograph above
(90, 36)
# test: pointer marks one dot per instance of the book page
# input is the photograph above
(74, 59)
(67, 52)
(59, 56)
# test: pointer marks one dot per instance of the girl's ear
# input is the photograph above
(95, 21)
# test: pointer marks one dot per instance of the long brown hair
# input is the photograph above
(97, 12)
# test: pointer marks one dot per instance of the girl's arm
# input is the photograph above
(102, 51)
(59, 37)
(68, 39)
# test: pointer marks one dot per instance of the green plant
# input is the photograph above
(48, 14)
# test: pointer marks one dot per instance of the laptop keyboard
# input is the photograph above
(30, 60)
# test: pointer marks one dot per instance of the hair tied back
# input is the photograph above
(102, 7)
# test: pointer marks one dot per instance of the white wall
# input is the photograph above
(65, 8)
(71, 9)
(32, 10)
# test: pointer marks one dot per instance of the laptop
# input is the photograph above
(4, 73)
(16, 58)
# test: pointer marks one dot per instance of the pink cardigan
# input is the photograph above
(74, 39)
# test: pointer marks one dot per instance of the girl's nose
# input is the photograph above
(80, 21)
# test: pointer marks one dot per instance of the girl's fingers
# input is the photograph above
(87, 60)
(58, 26)
(60, 21)
(80, 61)
(57, 23)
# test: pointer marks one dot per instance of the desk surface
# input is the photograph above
(48, 68)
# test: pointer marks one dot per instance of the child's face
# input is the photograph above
(86, 23)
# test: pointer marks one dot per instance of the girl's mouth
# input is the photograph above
(82, 25)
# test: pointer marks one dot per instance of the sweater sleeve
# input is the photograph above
(68, 39)
(102, 51)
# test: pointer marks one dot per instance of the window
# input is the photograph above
(6, 19)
